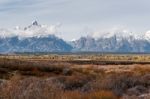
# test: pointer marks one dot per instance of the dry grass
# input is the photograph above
(91, 95)
(142, 70)
(66, 78)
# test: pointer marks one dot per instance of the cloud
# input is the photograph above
(118, 30)
(30, 31)
(76, 14)
(29, 5)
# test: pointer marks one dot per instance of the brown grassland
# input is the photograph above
(104, 76)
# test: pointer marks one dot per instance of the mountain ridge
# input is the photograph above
(111, 44)
(42, 38)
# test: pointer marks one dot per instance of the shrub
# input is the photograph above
(31, 88)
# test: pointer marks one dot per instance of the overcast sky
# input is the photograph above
(78, 17)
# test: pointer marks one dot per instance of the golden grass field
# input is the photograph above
(101, 76)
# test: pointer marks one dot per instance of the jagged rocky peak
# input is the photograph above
(35, 23)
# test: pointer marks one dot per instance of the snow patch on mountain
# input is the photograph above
(120, 34)
(118, 31)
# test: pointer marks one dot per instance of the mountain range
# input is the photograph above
(33, 38)
(40, 38)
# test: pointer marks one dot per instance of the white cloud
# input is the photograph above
(30, 31)
(76, 14)
(119, 30)
(147, 35)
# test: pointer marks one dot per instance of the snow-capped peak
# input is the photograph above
(120, 35)
(33, 30)
(35, 23)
